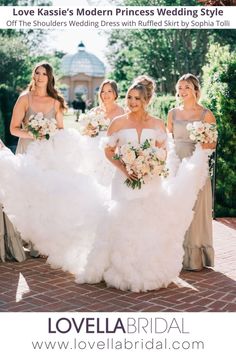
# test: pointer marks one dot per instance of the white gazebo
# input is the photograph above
(82, 73)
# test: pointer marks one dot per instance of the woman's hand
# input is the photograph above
(132, 176)
(211, 146)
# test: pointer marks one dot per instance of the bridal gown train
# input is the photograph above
(49, 200)
(138, 245)
(94, 162)
(132, 239)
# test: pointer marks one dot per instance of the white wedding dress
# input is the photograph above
(132, 239)
(49, 200)
(94, 162)
(138, 245)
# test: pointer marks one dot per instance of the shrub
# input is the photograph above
(160, 106)
(219, 88)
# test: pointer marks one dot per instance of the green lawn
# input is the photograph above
(70, 120)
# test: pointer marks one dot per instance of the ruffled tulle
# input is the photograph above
(132, 239)
(94, 162)
(139, 245)
(50, 201)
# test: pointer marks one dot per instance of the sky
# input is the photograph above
(95, 40)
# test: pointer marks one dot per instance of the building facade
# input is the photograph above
(82, 74)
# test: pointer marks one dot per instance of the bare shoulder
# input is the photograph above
(97, 109)
(209, 117)
(24, 97)
(22, 102)
(120, 110)
(171, 112)
(117, 124)
(57, 105)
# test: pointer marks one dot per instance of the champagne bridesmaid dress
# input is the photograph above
(198, 244)
(11, 246)
(22, 147)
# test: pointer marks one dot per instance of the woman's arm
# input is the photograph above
(161, 142)
(110, 153)
(115, 126)
(209, 118)
(59, 115)
(170, 122)
(17, 119)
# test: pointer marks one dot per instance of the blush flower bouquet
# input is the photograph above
(202, 132)
(143, 160)
(92, 123)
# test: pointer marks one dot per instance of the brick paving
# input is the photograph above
(32, 286)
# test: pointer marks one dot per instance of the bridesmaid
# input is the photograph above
(108, 94)
(41, 96)
(198, 245)
(94, 163)
(10, 241)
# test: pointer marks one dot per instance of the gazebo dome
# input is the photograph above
(82, 62)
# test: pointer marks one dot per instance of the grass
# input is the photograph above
(70, 120)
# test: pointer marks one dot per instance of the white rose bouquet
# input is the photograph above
(201, 132)
(92, 123)
(144, 160)
(40, 127)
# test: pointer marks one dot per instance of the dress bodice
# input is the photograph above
(131, 135)
(180, 133)
(23, 144)
(30, 111)
(184, 146)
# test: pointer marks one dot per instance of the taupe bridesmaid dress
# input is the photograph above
(24, 143)
(22, 148)
(198, 244)
(11, 246)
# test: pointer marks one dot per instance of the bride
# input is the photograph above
(138, 246)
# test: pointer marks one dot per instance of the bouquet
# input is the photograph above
(92, 123)
(39, 126)
(144, 160)
(201, 132)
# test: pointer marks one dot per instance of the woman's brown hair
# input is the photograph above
(52, 91)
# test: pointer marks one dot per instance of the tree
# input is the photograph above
(14, 75)
(163, 54)
(19, 50)
(219, 86)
